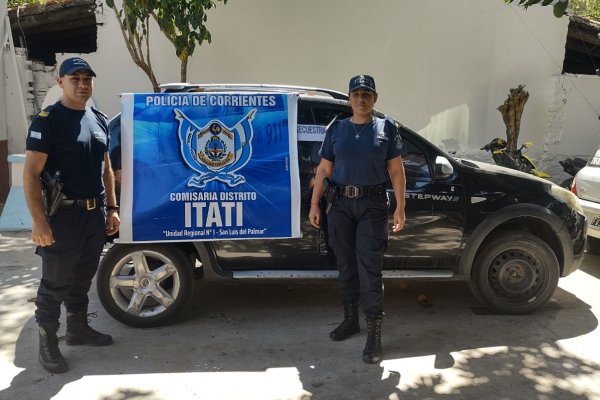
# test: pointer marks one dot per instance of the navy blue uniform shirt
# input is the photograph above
(75, 141)
(362, 160)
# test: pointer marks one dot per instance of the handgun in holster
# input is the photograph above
(52, 192)
(331, 193)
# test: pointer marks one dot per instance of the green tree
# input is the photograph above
(182, 22)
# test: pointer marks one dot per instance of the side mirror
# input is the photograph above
(443, 168)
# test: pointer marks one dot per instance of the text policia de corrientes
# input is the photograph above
(221, 100)
(213, 214)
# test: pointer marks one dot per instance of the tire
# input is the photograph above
(593, 245)
(514, 272)
(145, 285)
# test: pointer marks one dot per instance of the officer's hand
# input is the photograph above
(41, 233)
(314, 216)
(399, 220)
(113, 222)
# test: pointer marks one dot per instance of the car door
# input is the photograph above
(316, 116)
(434, 212)
(435, 206)
(284, 254)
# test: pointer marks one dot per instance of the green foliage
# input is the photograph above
(182, 22)
(583, 8)
(19, 3)
(586, 8)
(559, 6)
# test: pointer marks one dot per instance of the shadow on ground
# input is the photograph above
(243, 340)
(252, 328)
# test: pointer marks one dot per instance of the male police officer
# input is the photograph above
(360, 155)
(70, 140)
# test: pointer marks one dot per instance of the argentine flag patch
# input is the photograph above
(35, 135)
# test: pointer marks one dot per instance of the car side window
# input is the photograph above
(311, 113)
(324, 115)
(304, 113)
(415, 162)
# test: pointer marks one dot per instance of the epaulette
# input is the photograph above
(98, 112)
(393, 122)
(46, 111)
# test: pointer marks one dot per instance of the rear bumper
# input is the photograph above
(575, 228)
(591, 210)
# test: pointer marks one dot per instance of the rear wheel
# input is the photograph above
(514, 272)
(144, 285)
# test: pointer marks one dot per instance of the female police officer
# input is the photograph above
(359, 156)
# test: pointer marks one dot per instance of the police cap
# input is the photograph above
(73, 64)
(362, 82)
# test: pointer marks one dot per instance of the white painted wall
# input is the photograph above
(12, 100)
(442, 67)
(582, 115)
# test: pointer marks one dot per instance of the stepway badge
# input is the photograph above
(215, 151)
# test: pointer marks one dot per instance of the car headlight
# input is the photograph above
(566, 196)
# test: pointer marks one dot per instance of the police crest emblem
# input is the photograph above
(215, 150)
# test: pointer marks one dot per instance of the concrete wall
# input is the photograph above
(441, 67)
(582, 115)
(4, 186)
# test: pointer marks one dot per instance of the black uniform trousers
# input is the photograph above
(69, 265)
(358, 229)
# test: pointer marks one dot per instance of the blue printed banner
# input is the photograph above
(209, 166)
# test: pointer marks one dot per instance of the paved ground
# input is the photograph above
(270, 341)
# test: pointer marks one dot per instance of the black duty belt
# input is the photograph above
(353, 192)
(88, 204)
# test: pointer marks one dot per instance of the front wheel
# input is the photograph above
(144, 285)
(514, 272)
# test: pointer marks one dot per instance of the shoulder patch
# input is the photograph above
(43, 113)
(35, 135)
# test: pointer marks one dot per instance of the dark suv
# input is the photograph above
(510, 234)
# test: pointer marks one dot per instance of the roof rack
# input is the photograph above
(220, 87)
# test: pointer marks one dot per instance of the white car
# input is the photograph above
(587, 187)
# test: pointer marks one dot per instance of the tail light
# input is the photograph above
(574, 185)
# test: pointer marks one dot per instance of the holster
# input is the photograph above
(52, 192)
(331, 193)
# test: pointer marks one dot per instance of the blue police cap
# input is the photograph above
(362, 82)
(73, 64)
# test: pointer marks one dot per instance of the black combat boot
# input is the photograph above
(49, 354)
(349, 325)
(372, 351)
(79, 332)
